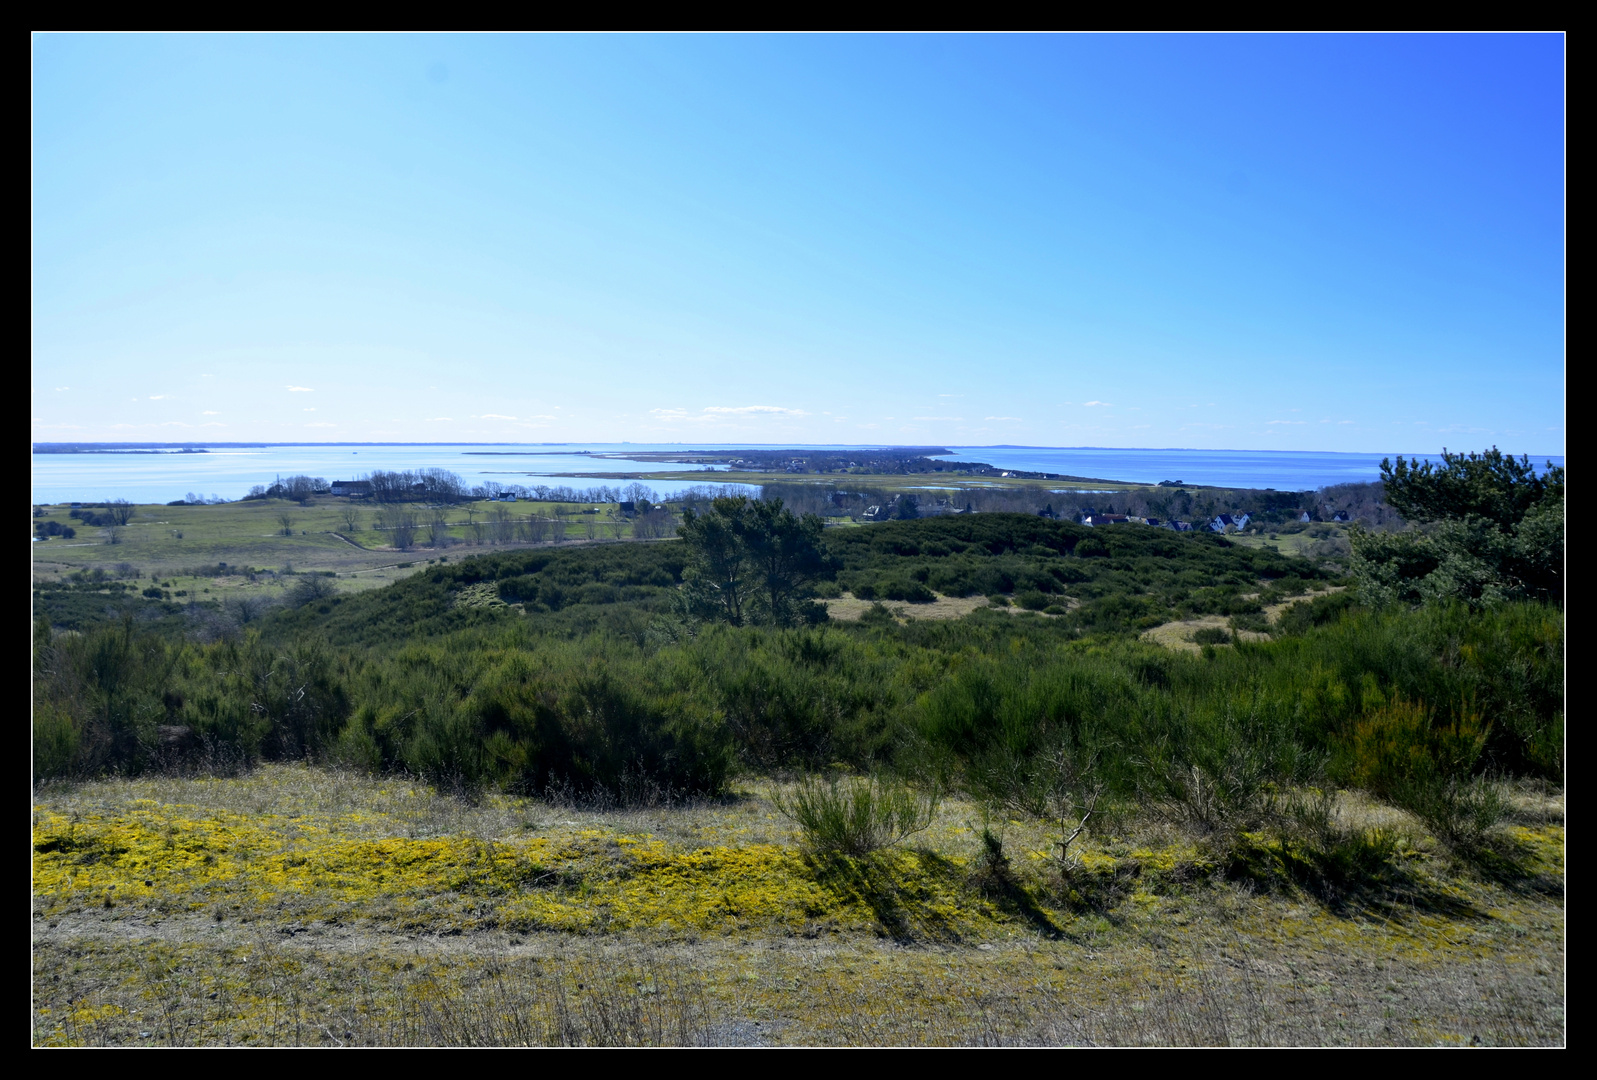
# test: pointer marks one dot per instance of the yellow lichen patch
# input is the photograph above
(165, 859)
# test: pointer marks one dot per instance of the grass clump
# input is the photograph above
(1458, 811)
(857, 816)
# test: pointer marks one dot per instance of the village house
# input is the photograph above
(351, 489)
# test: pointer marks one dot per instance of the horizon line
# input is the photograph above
(733, 445)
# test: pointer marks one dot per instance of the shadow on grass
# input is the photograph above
(1511, 863)
(1352, 879)
(919, 895)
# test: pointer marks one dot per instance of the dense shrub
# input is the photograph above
(597, 681)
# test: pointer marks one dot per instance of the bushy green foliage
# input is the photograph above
(1122, 578)
(589, 718)
(1490, 486)
(750, 560)
(579, 685)
(1487, 529)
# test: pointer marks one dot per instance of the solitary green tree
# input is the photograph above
(1483, 528)
(750, 561)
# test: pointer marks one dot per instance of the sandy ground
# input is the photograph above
(1178, 635)
(849, 608)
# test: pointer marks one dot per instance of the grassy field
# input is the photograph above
(165, 543)
(297, 906)
(932, 483)
(1322, 539)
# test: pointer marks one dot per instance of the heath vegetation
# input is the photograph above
(669, 748)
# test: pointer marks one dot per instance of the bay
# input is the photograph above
(229, 472)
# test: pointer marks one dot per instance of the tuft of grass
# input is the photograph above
(857, 816)
(1458, 811)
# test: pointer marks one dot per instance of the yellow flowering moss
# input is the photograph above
(171, 858)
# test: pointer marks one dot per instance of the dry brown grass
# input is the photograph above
(1145, 954)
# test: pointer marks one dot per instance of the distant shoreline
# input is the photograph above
(124, 447)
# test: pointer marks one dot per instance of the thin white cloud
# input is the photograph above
(210, 412)
(746, 409)
(157, 397)
(950, 395)
(1000, 418)
(1344, 421)
(311, 409)
(1287, 421)
(321, 423)
(437, 419)
(213, 423)
(497, 416)
(63, 388)
(300, 390)
(1090, 404)
(954, 418)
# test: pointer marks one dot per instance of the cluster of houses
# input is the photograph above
(1220, 523)
(939, 508)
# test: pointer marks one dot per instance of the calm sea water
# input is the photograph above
(1284, 470)
(231, 472)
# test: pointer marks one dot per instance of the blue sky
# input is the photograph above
(1311, 243)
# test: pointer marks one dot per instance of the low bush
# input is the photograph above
(911, 591)
(1253, 622)
(1329, 855)
(1458, 811)
(857, 816)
